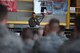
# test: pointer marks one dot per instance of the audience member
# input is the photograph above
(73, 46)
(46, 30)
(51, 42)
(9, 42)
(27, 36)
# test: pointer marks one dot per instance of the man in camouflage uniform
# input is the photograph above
(51, 42)
(9, 42)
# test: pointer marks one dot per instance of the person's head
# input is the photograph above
(3, 14)
(33, 15)
(54, 25)
(27, 33)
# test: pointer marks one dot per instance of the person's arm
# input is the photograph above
(37, 22)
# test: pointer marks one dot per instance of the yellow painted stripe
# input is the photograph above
(26, 0)
(26, 22)
(17, 22)
(24, 10)
(77, 7)
(76, 12)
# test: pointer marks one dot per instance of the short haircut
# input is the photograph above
(53, 21)
(33, 12)
(77, 22)
(27, 33)
(3, 11)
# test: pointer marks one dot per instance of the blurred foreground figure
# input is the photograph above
(9, 42)
(27, 36)
(74, 45)
(51, 42)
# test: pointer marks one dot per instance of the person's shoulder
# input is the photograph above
(30, 19)
(72, 46)
(16, 39)
(40, 42)
(45, 38)
(9, 39)
(76, 43)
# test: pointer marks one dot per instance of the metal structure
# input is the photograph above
(68, 16)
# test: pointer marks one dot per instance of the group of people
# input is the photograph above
(51, 39)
